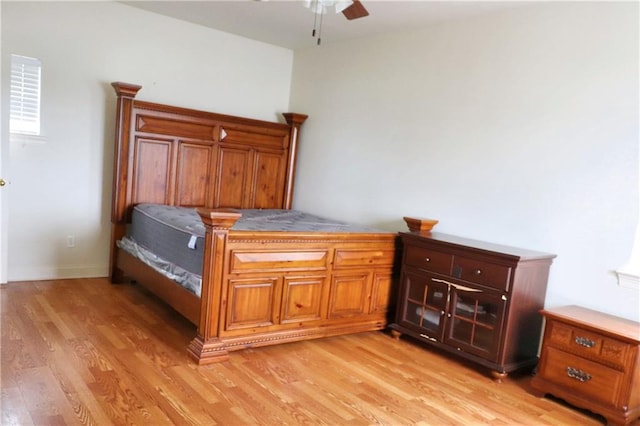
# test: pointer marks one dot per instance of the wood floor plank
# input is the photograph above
(87, 352)
(195, 383)
(13, 408)
(44, 398)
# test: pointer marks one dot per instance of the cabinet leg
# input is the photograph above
(207, 352)
(499, 376)
(396, 334)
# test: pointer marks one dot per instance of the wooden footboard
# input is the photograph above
(265, 288)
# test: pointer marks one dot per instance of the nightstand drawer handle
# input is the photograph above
(583, 341)
(427, 259)
(579, 375)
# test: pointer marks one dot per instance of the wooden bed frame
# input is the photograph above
(258, 288)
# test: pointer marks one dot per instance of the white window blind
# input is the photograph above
(25, 95)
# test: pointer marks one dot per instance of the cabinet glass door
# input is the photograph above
(425, 304)
(475, 321)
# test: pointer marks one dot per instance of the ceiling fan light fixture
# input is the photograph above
(342, 5)
(351, 9)
(321, 6)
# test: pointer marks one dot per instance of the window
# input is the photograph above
(25, 95)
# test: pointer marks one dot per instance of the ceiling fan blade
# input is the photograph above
(355, 11)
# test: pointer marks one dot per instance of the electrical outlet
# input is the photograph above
(71, 241)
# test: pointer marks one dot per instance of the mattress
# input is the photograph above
(175, 234)
(171, 239)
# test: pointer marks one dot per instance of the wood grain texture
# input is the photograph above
(591, 359)
(85, 352)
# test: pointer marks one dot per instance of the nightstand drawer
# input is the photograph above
(588, 344)
(582, 376)
(477, 271)
(430, 260)
(590, 359)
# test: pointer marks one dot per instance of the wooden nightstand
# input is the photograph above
(591, 360)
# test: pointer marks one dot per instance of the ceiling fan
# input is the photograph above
(355, 11)
(351, 9)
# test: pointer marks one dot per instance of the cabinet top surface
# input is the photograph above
(584, 317)
(481, 246)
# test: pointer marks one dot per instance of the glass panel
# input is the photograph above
(423, 317)
(483, 312)
(436, 298)
(426, 304)
(416, 291)
(430, 318)
(483, 337)
(413, 313)
(475, 320)
(462, 330)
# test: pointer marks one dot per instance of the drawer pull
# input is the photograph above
(583, 341)
(478, 272)
(579, 375)
(463, 288)
(427, 259)
(437, 280)
(428, 338)
(456, 286)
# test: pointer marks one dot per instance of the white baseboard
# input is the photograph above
(56, 273)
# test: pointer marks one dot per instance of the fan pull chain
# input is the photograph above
(320, 30)
(314, 6)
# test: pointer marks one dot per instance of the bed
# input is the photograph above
(261, 282)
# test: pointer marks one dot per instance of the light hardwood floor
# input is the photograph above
(88, 352)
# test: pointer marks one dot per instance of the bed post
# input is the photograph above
(206, 347)
(126, 93)
(294, 121)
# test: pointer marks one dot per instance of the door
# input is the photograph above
(474, 322)
(424, 304)
(4, 162)
(3, 220)
(350, 293)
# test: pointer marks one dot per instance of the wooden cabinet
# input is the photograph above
(475, 299)
(287, 289)
(591, 360)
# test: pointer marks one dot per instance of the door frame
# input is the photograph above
(4, 164)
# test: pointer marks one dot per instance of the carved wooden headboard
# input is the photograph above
(177, 156)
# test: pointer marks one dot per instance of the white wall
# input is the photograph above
(63, 187)
(519, 127)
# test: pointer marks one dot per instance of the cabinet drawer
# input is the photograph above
(582, 376)
(485, 273)
(588, 344)
(430, 260)
(370, 258)
(257, 261)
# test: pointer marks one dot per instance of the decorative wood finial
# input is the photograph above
(420, 225)
(125, 89)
